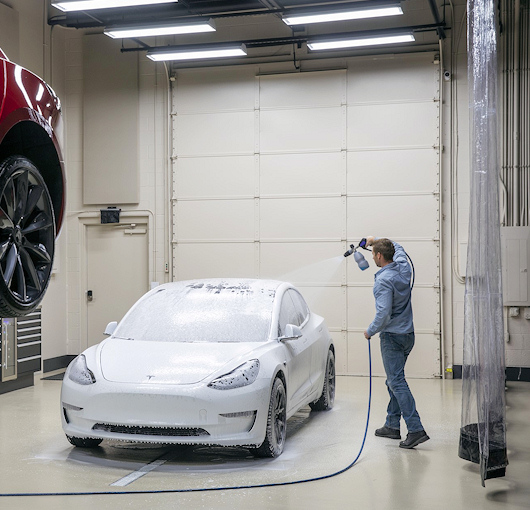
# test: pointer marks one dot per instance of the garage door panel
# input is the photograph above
(340, 341)
(391, 79)
(361, 307)
(397, 216)
(215, 133)
(387, 171)
(224, 176)
(200, 90)
(304, 129)
(324, 88)
(425, 309)
(208, 220)
(214, 260)
(302, 174)
(307, 218)
(358, 355)
(303, 263)
(392, 125)
(319, 160)
(425, 257)
(328, 302)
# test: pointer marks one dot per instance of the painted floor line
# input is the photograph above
(135, 475)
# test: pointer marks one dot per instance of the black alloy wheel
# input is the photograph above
(327, 398)
(27, 237)
(276, 430)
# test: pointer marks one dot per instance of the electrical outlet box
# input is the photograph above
(515, 252)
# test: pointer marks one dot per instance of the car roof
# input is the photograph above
(218, 285)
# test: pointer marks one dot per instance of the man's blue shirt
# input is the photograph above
(392, 296)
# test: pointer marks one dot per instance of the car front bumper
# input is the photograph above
(157, 413)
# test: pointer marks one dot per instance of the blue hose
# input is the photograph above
(210, 489)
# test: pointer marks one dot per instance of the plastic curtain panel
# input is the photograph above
(483, 432)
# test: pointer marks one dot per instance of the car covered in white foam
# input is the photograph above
(215, 362)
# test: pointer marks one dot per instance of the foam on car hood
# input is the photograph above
(137, 362)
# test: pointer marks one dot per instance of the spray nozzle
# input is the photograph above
(350, 251)
(359, 258)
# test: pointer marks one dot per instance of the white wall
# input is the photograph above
(153, 200)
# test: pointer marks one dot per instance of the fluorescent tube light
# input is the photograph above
(192, 54)
(86, 5)
(357, 42)
(374, 12)
(160, 29)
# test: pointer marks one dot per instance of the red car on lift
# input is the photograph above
(32, 187)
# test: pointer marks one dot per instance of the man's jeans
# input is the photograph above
(395, 349)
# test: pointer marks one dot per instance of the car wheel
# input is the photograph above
(327, 398)
(274, 441)
(27, 237)
(84, 442)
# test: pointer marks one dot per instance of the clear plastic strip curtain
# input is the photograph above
(483, 431)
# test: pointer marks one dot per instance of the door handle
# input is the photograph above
(89, 295)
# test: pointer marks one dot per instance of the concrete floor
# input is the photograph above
(37, 459)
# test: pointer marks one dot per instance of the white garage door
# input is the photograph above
(274, 176)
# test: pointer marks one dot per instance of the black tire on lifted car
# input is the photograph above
(27, 237)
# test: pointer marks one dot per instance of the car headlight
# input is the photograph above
(243, 375)
(79, 372)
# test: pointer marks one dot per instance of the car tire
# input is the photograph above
(275, 434)
(327, 398)
(27, 237)
(84, 442)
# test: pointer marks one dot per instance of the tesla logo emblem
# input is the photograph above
(150, 377)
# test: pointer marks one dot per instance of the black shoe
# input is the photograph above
(414, 439)
(388, 432)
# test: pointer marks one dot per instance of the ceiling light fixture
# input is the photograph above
(371, 11)
(356, 42)
(160, 29)
(197, 53)
(87, 5)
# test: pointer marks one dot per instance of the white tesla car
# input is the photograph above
(215, 362)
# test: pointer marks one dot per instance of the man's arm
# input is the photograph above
(383, 294)
(400, 258)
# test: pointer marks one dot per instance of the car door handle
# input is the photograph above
(89, 295)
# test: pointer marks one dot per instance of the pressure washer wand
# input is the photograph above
(358, 256)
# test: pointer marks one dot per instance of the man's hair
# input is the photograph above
(385, 247)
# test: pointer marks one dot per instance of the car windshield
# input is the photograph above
(202, 312)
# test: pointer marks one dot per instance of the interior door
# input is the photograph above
(117, 273)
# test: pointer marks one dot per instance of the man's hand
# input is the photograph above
(366, 335)
(370, 240)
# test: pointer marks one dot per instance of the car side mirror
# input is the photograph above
(291, 332)
(111, 326)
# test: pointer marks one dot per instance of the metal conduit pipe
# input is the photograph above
(526, 102)
(516, 115)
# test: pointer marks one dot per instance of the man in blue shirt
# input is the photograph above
(393, 322)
